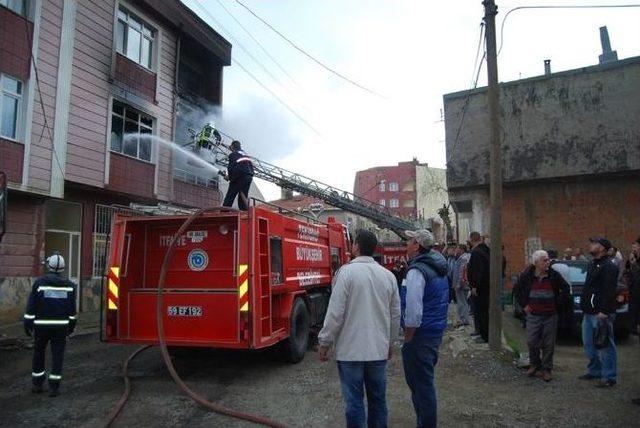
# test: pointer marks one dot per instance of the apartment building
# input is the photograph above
(83, 82)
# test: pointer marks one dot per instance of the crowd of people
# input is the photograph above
(369, 305)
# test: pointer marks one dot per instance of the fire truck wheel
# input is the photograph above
(294, 348)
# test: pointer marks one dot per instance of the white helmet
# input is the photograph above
(55, 263)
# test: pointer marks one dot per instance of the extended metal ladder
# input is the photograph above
(377, 213)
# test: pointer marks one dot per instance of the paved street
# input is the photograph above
(308, 394)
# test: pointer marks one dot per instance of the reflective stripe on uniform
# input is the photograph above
(72, 317)
(46, 288)
(29, 317)
(51, 322)
(243, 160)
(55, 377)
(38, 374)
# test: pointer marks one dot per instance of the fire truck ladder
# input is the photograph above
(377, 213)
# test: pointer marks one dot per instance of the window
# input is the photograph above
(393, 186)
(17, 6)
(11, 91)
(128, 129)
(134, 38)
(381, 186)
(382, 202)
(394, 203)
(275, 244)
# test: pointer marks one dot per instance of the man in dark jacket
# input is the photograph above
(425, 319)
(51, 315)
(632, 274)
(542, 292)
(240, 176)
(478, 273)
(598, 303)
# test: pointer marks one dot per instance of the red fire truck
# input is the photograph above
(240, 280)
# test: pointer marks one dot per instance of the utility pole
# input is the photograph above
(495, 186)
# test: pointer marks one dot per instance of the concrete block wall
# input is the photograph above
(573, 123)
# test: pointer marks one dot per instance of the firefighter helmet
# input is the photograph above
(55, 263)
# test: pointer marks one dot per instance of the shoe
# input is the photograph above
(588, 377)
(54, 393)
(531, 372)
(480, 340)
(475, 334)
(546, 376)
(636, 401)
(37, 389)
(606, 384)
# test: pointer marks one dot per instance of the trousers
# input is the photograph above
(57, 336)
(237, 187)
(541, 339)
(356, 378)
(420, 357)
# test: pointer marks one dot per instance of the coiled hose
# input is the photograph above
(165, 353)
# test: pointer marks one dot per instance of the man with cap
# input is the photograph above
(425, 319)
(240, 175)
(50, 317)
(598, 303)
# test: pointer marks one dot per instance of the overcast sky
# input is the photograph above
(411, 51)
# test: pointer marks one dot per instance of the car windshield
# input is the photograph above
(577, 273)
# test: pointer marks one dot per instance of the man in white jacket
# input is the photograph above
(362, 322)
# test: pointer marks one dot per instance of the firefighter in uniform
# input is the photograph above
(240, 175)
(50, 317)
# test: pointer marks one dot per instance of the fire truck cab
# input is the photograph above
(240, 280)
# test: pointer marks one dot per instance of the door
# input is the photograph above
(63, 222)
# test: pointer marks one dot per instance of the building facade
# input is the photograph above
(93, 91)
(571, 159)
(411, 190)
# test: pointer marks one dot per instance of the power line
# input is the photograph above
(237, 42)
(258, 81)
(463, 112)
(257, 42)
(594, 6)
(311, 57)
(280, 100)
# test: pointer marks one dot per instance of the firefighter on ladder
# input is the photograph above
(240, 175)
(50, 317)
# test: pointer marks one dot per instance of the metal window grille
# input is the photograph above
(101, 231)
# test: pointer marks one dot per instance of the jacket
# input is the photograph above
(633, 281)
(52, 302)
(363, 317)
(600, 287)
(478, 270)
(239, 164)
(560, 287)
(460, 279)
(427, 299)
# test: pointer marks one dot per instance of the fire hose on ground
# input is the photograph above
(165, 352)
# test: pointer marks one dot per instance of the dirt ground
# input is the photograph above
(475, 389)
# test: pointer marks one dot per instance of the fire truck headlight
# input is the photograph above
(223, 229)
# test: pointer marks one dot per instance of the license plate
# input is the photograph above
(576, 300)
(184, 311)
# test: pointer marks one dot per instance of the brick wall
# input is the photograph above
(11, 160)
(15, 52)
(195, 196)
(132, 176)
(566, 214)
(136, 78)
